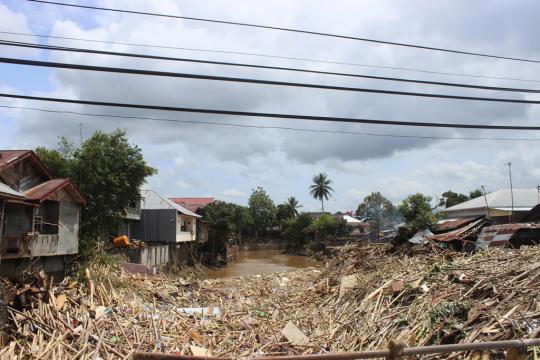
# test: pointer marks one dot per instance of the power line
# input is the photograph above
(269, 115)
(267, 67)
(326, 131)
(270, 56)
(256, 81)
(307, 32)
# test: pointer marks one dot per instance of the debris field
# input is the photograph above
(363, 298)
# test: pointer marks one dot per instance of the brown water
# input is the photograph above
(252, 262)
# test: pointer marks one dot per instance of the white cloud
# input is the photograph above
(200, 160)
(233, 193)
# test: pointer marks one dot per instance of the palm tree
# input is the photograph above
(291, 206)
(321, 189)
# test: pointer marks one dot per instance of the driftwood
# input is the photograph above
(416, 300)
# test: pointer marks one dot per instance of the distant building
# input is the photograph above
(39, 215)
(497, 205)
(164, 221)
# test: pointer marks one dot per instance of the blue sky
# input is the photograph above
(225, 162)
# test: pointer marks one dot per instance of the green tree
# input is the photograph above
(321, 189)
(377, 208)
(291, 207)
(262, 209)
(241, 220)
(60, 161)
(450, 198)
(476, 193)
(326, 227)
(416, 210)
(293, 233)
(108, 171)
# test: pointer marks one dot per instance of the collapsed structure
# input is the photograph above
(39, 215)
(499, 218)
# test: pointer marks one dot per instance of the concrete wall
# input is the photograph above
(151, 256)
(68, 232)
(52, 265)
(18, 220)
(186, 228)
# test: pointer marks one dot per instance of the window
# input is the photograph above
(38, 220)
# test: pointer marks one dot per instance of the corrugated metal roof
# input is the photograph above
(10, 157)
(500, 235)
(5, 190)
(45, 190)
(460, 233)
(445, 225)
(524, 199)
(150, 200)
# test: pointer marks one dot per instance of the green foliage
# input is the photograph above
(475, 193)
(450, 198)
(416, 211)
(262, 209)
(293, 232)
(321, 189)
(226, 219)
(108, 171)
(377, 208)
(288, 210)
(325, 226)
(61, 161)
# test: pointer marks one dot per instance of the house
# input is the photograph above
(39, 215)
(164, 221)
(496, 205)
(196, 205)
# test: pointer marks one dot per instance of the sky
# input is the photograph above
(228, 162)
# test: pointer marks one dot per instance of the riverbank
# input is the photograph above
(361, 300)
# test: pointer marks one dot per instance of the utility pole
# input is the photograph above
(511, 191)
(485, 199)
(538, 189)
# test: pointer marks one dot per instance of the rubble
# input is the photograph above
(431, 298)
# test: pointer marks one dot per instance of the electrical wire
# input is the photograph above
(269, 115)
(256, 81)
(319, 61)
(267, 67)
(325, 131)
(307, 32)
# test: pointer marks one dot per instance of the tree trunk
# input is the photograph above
(322, 202)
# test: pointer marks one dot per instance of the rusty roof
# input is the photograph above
(452, 224)
(500, 235)
(460, 233)
(45, 190)
(11, 157)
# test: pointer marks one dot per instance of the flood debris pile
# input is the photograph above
(363, 299)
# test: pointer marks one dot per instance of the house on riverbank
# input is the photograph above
(39, 215)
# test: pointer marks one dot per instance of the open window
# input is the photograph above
(46, 218)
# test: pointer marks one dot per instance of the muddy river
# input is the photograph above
(252, 262)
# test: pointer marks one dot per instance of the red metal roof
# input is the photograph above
(45, 190)
(10, 157)
(192, 203)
